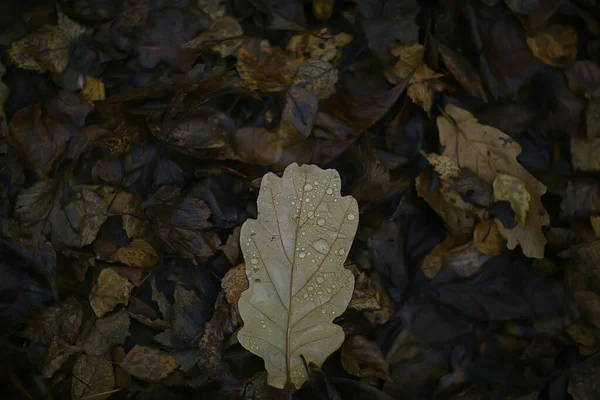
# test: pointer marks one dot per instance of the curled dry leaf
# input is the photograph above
(267, 69)
(363, 358)
(295, 254)
(487, 151)
(511, 189)
(138, 253)
(556, 45)
(109, 290)
(48, 48)
(149, 364)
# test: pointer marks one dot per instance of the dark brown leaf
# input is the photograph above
(363, 358)
(149, 364)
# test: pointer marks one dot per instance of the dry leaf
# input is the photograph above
(487, 238)
(317, 77)
(234, 283)
(595, 221)
(485, 151)
(319, 45)
(268, 69)
(583, 77)
(295, 254)
(584, 154)
(258, 146)
(138, 253)
(100, 335)
(424, 82)
(93, 90)
(298, 116)
(460, 68)
(109, 290)
(48, 48)
(92, 376)
(149, 364)
(224, 36)
(213, 8)
(322, 9)
(231, 248)
(58, 353)
(511, 189)
(556, 45)
(363, 358)
(446, 167)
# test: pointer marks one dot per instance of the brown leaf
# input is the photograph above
(62, 320)
(319, 45)
(138, 253)
(298, 116)
(317, 77)
(487, 238)
(595, 221)
(224, 36)
(149, 364)
(488, 151)
(424, 82)
(48, 48)
(99, 336)
(588, 304)
(464, 73)
(556, 45)
(583, 381)
(187, 319)
(581, 198)
(363, 358)
(322, 9)
(258, 146)
(512, 189)
(583, 76)
(4, 93)
(58, 353)
(593, 114)
(266, 69)
(214, 8)
(584, 154)
(365, 296)
(231, 248)
(109, 290)
(38, 139)
(92, 376)
(234, 283)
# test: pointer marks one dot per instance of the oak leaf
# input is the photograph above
(488, 151)
(295, 253)
(511, 189)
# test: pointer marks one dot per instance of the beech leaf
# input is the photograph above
(295, 253)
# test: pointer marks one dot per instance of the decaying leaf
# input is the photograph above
(363, 358)
(511, 189)
(584, 154)
(110, 290)
(48, 48)
(58, 353)
(319, 45)
(295, 253)
(93, 376)
(487, 151)
(556, 45)
(317, 77)
(234, 283)
(138, 253)
(149, 364)
(99, 336)
(224, 35)
(266, 69)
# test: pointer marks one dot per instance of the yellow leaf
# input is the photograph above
(47, 49)
(93, 90)
(295, 253)
(486, 151)
(511, 189)
(322, 9)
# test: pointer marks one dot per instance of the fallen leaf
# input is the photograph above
(149, 364)
(234, 283)
(487, 238)
(317, 77)
(588, 304)
(138, 253)
(584, 154)
(61, 320)
(423, 83)
(511, 189)
(279, 307)
(487, 151)
(581, 198)
(464, 73)
(224, 36)
(595, 221)
(583, 77)
(110, 290)
(266, 69)
(445, 166)
(322, 9)
(298, 116)
(319, 45)
(93, 90)
(258, 146)
(99, 336)
(593, 114)
(187, 320)
(48, 48)
(363, 358)
(556, 45)
(92, 376)
(583, 384)
(58, 353)
(214, 8)
(231, 248)
(365, 296)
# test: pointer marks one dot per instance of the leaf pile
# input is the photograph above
(158, 238)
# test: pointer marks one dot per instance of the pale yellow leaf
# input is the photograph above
(486, 151)
(93, 90)
(511, 189)
(295, 253)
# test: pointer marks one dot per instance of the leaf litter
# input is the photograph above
(135, 137)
